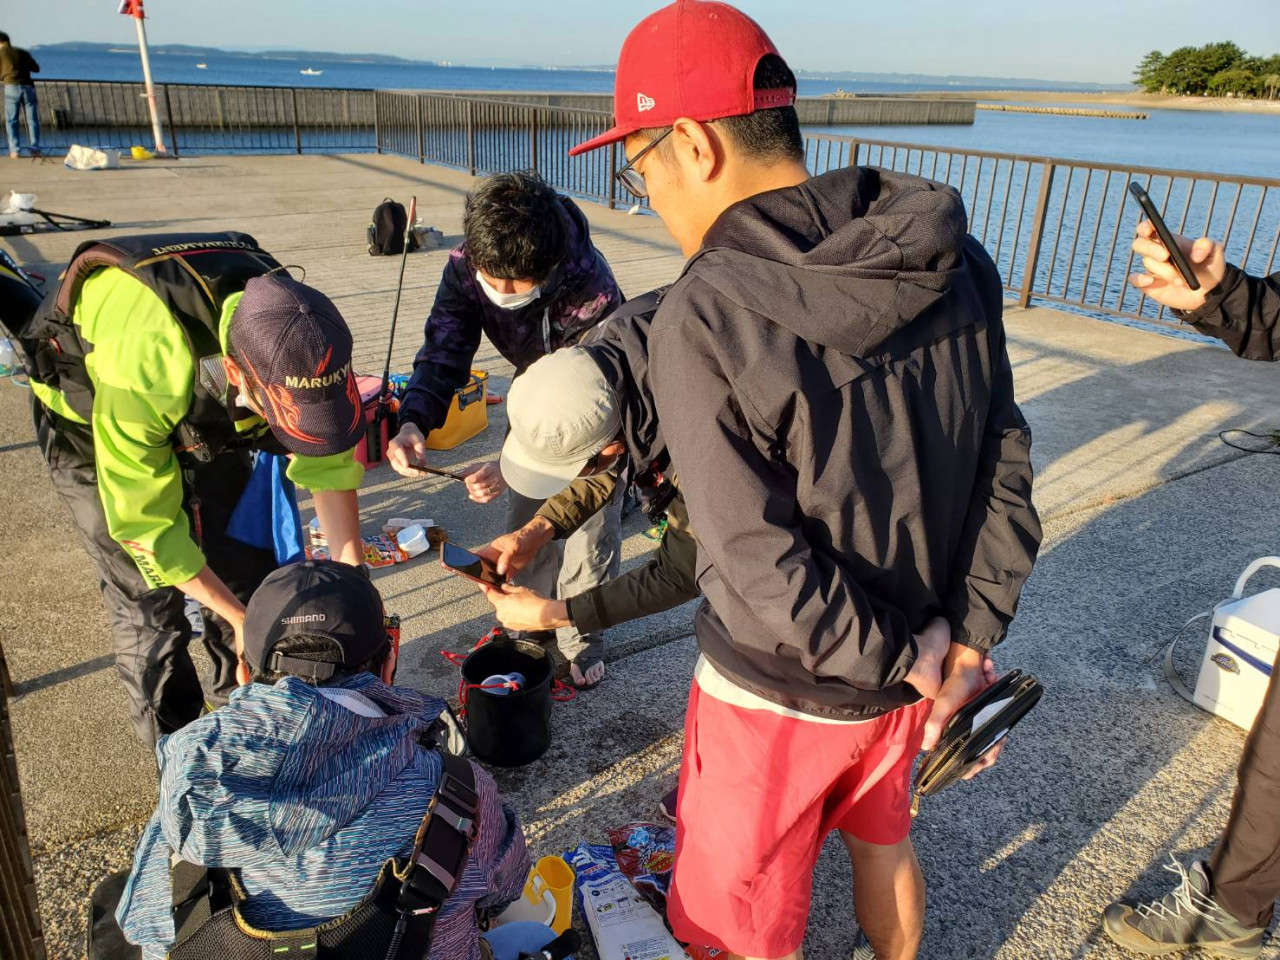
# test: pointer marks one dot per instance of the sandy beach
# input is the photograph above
(1140, 100)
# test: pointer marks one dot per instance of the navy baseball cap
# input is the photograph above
(327, 599)
(295, 348)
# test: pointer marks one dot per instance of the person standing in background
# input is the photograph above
(16, 68)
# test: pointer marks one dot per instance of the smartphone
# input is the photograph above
(469, 565)
(1176, 256)
(434, 472)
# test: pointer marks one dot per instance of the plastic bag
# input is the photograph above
(646, 854)
(622, 923)
(90, 158)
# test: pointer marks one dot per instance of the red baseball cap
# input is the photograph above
(694, 58)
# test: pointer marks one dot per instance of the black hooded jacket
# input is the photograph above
(833, 385)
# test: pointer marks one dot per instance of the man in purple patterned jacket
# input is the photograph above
(529, 278)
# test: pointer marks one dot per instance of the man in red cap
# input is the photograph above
(831, 376)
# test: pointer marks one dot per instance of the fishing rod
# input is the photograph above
(374, 432)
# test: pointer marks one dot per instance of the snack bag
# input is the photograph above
(622, 923)
(646, 854)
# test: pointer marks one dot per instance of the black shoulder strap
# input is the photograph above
(444, 840)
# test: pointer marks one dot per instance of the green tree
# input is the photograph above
(1234, 82)
(1149, 73)
(1218, 69)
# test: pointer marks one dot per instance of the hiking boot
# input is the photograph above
(862, 948)
(1186, 918)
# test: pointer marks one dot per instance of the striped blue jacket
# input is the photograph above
(306, 798)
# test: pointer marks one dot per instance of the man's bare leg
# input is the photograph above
(888, 894)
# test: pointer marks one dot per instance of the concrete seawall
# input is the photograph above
(72, 104)
(813, 111)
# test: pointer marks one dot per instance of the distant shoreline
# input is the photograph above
(1149, 100)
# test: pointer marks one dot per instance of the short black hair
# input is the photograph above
(4, 37)
(772, 135)
(514, 227)
(319, 650)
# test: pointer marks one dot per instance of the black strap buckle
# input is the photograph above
(444, 840)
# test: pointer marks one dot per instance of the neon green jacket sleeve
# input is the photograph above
(143, 379)
(339, 471)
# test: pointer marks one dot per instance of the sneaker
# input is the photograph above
(667, 807)
(862, 948)
(1186, 918)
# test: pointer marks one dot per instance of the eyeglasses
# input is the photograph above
(631, 178)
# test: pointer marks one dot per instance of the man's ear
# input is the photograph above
(235, 376)
(698, 148)
(615, 448)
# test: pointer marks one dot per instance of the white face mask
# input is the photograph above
(508, 301)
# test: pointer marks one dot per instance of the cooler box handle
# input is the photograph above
(1250, 570)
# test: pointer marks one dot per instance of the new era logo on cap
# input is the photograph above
(694, 58)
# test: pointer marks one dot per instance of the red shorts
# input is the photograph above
(759, 793)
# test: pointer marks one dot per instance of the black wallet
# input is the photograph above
(976, 727)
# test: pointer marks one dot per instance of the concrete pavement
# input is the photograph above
(1149, 518)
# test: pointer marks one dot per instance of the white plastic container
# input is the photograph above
(1241, 653)
(413, 540)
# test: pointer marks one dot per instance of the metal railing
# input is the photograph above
(1059, 230)
(21, 937)
(485, 136)
(204, 118)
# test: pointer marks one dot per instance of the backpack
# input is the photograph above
(386, 230)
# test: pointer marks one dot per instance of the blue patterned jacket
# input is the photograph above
(306, 799)
(580, 293)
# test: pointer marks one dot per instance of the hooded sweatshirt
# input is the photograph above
(833, 385)
(305, 797)
(579, 293)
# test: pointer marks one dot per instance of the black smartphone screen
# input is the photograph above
(1176, 256)
(470, 565)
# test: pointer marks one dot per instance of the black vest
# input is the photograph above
(192, 274)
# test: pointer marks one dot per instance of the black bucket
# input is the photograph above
(513, 729)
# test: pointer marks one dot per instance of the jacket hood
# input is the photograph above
(844, 259)
(620, 347)
(283, 768)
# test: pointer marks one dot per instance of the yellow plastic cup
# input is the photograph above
(554, 875)
(141, 153)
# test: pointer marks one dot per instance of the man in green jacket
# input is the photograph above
(159, 367)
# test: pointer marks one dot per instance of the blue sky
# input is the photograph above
(1084, 40)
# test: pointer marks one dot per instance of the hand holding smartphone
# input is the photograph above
(470, 565)
(1176, 256)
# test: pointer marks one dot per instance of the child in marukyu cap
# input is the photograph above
(289, 358)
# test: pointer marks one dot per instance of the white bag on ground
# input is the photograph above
(91, 158)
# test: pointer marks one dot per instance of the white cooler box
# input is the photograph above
(1241, 653)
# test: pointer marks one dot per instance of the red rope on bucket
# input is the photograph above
(561, 692)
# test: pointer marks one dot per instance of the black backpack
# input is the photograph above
(386, 231)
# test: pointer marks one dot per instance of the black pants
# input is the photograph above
(1246, 865)
(150, 632)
